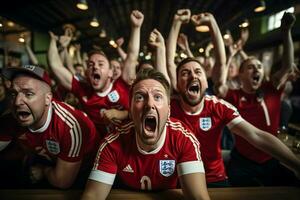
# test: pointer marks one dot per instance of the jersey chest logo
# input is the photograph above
(166, 167)
(205, 123)
(113, 96)
(53, 147)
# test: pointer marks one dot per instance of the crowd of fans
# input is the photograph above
(124, 123)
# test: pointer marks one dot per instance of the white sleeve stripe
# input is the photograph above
(265, 109)
(75, 132)
(190, 167)
(72, 143)
(234, 122)
(3, 144)
(108, 140)
(75, 77)
(191, 136)
(102, 177)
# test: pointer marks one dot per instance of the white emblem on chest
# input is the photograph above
(205, 123)
(113, 96)
(166, 167)
(53, 147)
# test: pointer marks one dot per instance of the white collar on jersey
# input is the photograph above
(103, 94)
(45, 126)
(160, 143)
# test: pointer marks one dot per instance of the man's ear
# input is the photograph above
(48, 97)
(110, 73)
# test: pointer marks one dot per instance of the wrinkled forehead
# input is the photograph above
(98, 57)
(22, 80)
(250, 61)
(148, 85)
(115, 63)
(28, 81)
(192, 65)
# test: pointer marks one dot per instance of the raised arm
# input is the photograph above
(280, 77)
(181, 16)
(129, 70)
(268, 143)
(219, 69)
(30, 53)
(63, 75)
(157, 41)
(183, 43)
(120, 50)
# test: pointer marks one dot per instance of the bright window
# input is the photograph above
(275, 20)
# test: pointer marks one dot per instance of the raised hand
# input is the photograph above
(229, 40)
(202, 18)
(53, 36)
(120, 41)
(244, 35)
(156, 39)
(183, 15)
(136, 18)
(182, 41)
(77, 47)
(287, 21)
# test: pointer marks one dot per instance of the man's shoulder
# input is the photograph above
(176, 126)
(122, 134)
(68, 113)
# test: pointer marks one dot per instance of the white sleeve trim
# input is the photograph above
(234, 122)
(102, 177)
(190, 167)
(3, 144)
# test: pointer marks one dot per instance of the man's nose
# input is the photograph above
(150, 103)
(19, 99)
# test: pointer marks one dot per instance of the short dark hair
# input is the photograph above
(245, 61)
(96, 51)
(186, 60)
(149, 73)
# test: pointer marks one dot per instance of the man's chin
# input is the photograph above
(192, 102)
(25, 123)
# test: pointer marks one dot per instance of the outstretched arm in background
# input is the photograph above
(269, 144)
(120, 50)
(183, 43)
(281, 76)
(30, 53)
(129, 70)
(219, 69)
(181, 16)
(62, 74)
(157, 41)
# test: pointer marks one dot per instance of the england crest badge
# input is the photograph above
(113, 96)
(205, 123)
(166, 167)
(53, 147)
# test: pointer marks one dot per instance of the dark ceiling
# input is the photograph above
(44, 15)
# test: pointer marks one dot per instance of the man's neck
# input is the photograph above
(192, 109)
(43, 122)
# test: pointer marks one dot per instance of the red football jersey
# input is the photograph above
(178, 153)
(207, 125)
(94, 103)
(261, 110)
(68, 134)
